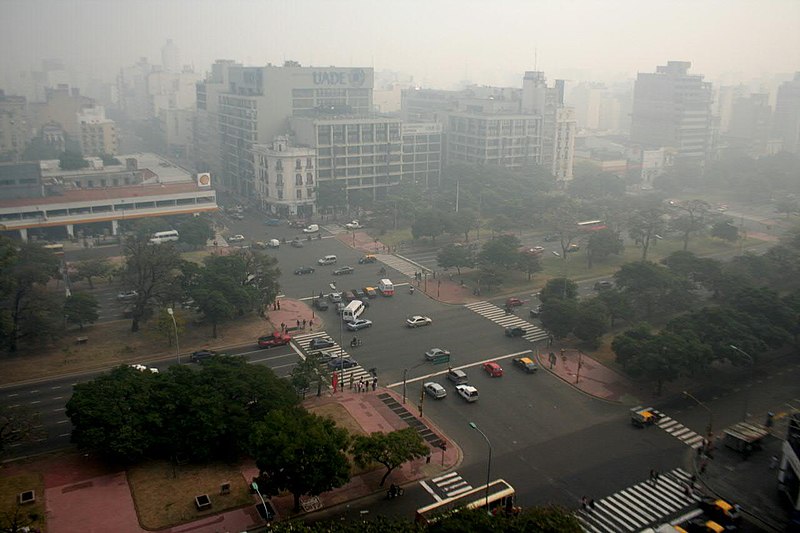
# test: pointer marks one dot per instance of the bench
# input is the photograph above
(81, 340)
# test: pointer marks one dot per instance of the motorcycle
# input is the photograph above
(411, 290)
(356, 342)
(394, 491)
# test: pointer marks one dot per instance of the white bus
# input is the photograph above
(499, 495)
(353, 310)
(164, 236)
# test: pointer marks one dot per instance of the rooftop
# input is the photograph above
(111, 193)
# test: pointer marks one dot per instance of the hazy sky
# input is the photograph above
(439, 42)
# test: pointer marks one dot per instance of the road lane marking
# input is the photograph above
(470, 365)
(62, 421)
(59, 409)
(424, 486)
(12, 395)
(36, 401)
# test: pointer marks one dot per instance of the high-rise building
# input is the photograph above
(15, 127)
(422, 153)
(749, 128)
(787, 114)
(672, 108)
(170, 57)
(558, 126)
(96, 133)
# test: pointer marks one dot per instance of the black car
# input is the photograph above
(359, 293)
(515, 332)
(320, 343)
(320, 304)
(297, 243)
(303, 270)
(202, 355)
(342, 363)
(343, 270)
(603, 285)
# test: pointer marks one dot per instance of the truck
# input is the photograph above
(275, 339)
(745, 437)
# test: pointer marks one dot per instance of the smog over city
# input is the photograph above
(355, 265)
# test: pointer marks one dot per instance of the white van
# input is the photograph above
(353, 310)
(313, 228)
(327, 260)
(164, 236)
(386, 287)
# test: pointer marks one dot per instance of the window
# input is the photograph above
(297, 165)
(278, 165)
(279, 181)
(298, 179)
(309, 163)
(299, 194)
(309, 178)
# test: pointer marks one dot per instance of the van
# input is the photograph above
(164, 236)
(327, 260)
(385, 287)
(313, 228)
(353, 310)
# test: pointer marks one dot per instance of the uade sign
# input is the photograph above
(355, 77)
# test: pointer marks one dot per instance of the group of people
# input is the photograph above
(363, 386)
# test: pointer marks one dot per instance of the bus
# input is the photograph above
(500, 498)
(164, 236)
(592, 225)
(56, 248)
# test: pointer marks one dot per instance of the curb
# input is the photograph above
(574, 386)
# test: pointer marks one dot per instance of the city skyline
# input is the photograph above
(439, 44)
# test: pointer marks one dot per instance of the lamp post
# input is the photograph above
(704, 406)
(175, 325)
(746, 393)
(488, 465)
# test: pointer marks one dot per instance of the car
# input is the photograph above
(276, 339)
(297, 243)
(603, 285)
(353, 225)
(327, 260)
(349, 296)
(335, 297)
(457, 376)
(342, 363)
(359, 293)
(273, 243)
(722, 208)
(468, 392)
(417, 321)
(359, 323)
(371, 292)
(513, 302)
(343, 270)
(324, 357)
(573, 248)
(319, 343)
(340, 306)
(320, 304)
(236, 238)
(433, 353)
(202, 355)
(526, 364)
(303, 270)
(721, 511)
(127, 295)
(143, 368)
(237, 216)
(434, 390)
(272, 222)
(298, 224)
(538, 249)
(515, 331)
(312, 228)
(367, 259)
(493, 369)
(535, 311)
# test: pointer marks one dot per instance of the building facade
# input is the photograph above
(787, 114)
(750, 126)
(286, 178)
(672, 108)
(422, 153)
(15, 127)
(97, 134)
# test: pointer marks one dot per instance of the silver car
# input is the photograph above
(435, 390)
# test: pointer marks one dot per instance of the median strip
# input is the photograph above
(470, 365)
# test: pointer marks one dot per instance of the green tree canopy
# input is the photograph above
(92, 268)
(602, 244)
(71, 161)
(428, 223)
(645, 225)
(558, 289)
(559, 317)
(196, 231)
(455, 256)
(389, 449)
(502, 252)
(81, 308)
(652, 287)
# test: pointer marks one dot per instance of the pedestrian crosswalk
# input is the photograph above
(499, 316)
(642, 505)
(401, 264)
(446, 486)
(678, 430)
(334, 229)
(347, 376)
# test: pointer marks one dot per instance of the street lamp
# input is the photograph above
(175, 325)
(704, 406)
(746, 393)
(488, 465)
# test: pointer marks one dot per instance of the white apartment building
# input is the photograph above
(285, 178)
(96, 133)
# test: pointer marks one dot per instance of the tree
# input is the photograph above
(599, 184)
(657, 359)
(38, 150)
(456, 256)
(17, 424)
(562, 220)
(167, 328)
(590, 321)
(718, 328)
(528, 263)
(645, 225)
(501, 252)
(261, 274)
(389, 449)
(559, 317)
(20, 519)
(692, 219)
(196, 231)
(725, 230)
(602, 244)
(300, 452)
(331, 195)
(617, 305)
(307, 372)
(461, 222)
(787, 206)
(627, 345)
(72, 161)
(427, 223)
(81, 308)
(92, 268)
(650, 286)
(558, 289)
(489, 277)
(150, 270)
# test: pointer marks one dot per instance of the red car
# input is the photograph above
(493, 369)
(276, 339)
(514, 302)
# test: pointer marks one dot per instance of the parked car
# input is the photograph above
(342, 363)
(434, 390)
(343, 270)
(359, 323)
(417, 321)
(273, 243)
(273, 222)
(515, 331)
(535, 311)
(573, 248)
(297, 243)
(367, 259)
(260, 245)
(526, 364)
(457, 376)
(433, 353)
(513, 302)
(468, 392)
(335, 297)
(538, 249)
(493, 369)
(236, 238)
(550, 238)
(143, 368)
(319, 343)
(312, 228)
(276, 339)
(303, 270)
(298, 224)
(320, 304)
(327, 260)
(370, 292)
(353, 225)
(603, 285)
(127, 295)
(359, 293)
(349, 296)
(202, 355)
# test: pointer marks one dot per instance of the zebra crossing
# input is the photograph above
(499, 316)
(334, 229)
(642, 505)
(352, 374)
(401, 264)
(446, 486)
(678, 430)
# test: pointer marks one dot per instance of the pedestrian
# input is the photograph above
(687, 490)
(360, 384)
(374, 384)
(298, 323)
(279, 305)
(304, 323)
(283, 327)
(591, 504)
(584, 502)
(351, 381)
(703, 466)
(655, 477)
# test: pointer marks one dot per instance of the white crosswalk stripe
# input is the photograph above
(678, 430)
(451, 484)
(349, 375)
(499, 316)
(334, 229)
(405, 267)
(640, 506)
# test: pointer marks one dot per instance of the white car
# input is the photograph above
(142, 368)
(433, 353)
(353, 225)
(468, 392)
(127, 295)
(435, 390)
(313, 228)
(359, 323)
(417, 321)
(236, 238)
